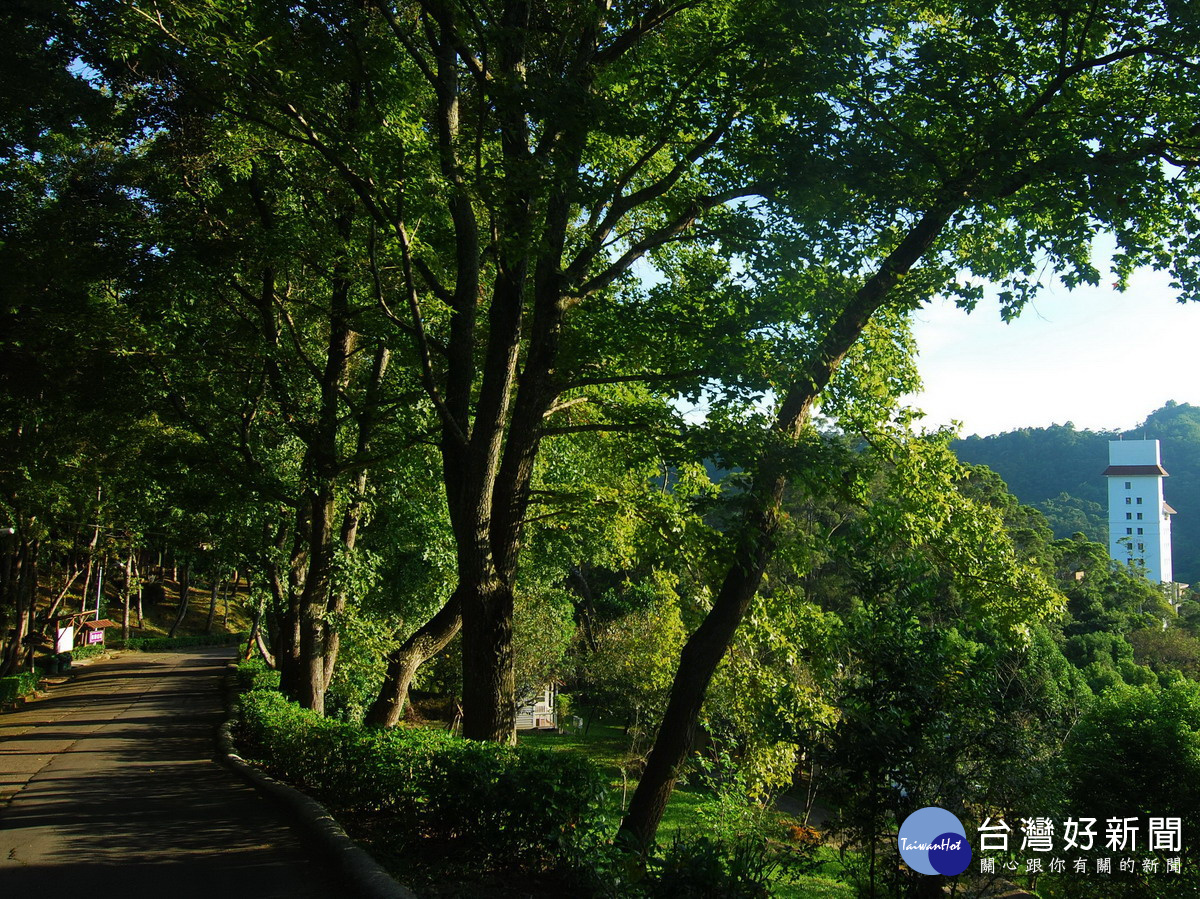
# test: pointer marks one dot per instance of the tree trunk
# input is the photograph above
(314, 602)
(11, 657)
(489, 708)
(87, 583)
(586, 608)
(126, 596)
(230, 590)
(185, 587)
(287, 634)
(58, 600)
(705, 648)
(91, 554)
(17, 574)
(100, 583)
(141, 617)
(697, 663)
(263, 649)
(31, 588)
(404, 661)
(212, 604)
(256, 638)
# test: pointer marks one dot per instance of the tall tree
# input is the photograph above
(520, 164)
(970, 141)
(787, 177)
(65, 384)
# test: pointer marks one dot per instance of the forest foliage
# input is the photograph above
(437, 319)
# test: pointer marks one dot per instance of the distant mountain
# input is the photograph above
(1058, 470)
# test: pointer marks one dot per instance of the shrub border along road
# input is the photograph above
(18, 686)
(367, 878)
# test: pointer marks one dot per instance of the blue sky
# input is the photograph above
(1092, 356)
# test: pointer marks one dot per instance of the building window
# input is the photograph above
(1141, 547)
(1139, 501)
(1128, 484)
(1128, 501)
(1139, 515)
(1139, 530)
(1128, 516)
(1130, 530)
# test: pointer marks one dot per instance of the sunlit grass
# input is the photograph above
(690, 811)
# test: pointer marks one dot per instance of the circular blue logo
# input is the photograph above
(933, 841)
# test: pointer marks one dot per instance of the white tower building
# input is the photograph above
(1139, 521)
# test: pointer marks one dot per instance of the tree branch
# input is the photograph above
(657, 238)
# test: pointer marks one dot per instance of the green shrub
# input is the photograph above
(506, 807)
(18, 685)
(88, 652)
(254, 674)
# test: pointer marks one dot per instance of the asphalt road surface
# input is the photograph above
(109, 787)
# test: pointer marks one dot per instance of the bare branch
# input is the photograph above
(559, 407)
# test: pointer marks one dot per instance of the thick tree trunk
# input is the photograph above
(185, 587)
(489, 707)
(404, 661)
(16, 577)
(31, 593)
(314, 601)
(287, 634)
(697, 663)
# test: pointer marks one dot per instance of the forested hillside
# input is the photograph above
(1057, 469)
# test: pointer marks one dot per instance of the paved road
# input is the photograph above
(108, 787)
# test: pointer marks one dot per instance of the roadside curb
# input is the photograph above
(367, 878)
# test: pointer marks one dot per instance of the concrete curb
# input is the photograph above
(366, 878)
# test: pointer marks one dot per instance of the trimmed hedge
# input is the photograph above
(253, 674)
(164, 644)
(18, 685)
(515, 807)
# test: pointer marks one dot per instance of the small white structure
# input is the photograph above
(536, 711)
(1139, 520)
